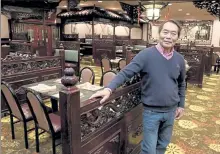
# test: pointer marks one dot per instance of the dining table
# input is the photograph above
(51, 88)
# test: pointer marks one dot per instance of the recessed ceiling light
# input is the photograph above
(64, 6)
(187, 14)
(100, 1)
(180, 10)
(170, 4)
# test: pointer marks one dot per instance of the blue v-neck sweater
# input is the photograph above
(163, 81)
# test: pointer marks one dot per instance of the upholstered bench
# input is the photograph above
(72, 59)
(139, 47)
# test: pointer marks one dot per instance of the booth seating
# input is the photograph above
(72, 54)
(139, 47)
(72, 58)
(89, 41)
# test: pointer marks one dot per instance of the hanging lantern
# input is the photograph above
(153, 10)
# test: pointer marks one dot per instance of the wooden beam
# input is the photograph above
(114, 31)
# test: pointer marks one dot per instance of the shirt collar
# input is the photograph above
(161, 50)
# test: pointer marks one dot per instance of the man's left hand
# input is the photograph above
(179, 112)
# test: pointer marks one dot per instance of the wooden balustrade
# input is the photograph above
(112, 127)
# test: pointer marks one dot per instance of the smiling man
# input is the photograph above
(163, 87)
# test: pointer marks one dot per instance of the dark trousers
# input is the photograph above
(157, 131)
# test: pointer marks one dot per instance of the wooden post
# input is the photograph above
(210, 59)
(114, 31)
(62, 29)
(10, 28)
(70, 113)
(130, 27)
(128, 54)
(62, 54)
(142, 31)
(44, 28)
(147, 35)
(93, 30)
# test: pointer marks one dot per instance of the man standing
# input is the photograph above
(163, 87)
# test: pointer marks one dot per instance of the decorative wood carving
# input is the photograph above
(17, 56)
(196, 61)
(70, 37)
(103, 47)
(69, 45)
(26, 70)
(22, 47)
(20, 36)
(26, 66)
(96, 118)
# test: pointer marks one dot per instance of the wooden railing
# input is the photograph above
(112, 127)
(19, 71)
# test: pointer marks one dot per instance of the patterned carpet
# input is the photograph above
(198, 132)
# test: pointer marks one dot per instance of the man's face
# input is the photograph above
(168, 35)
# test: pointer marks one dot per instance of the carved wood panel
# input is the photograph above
(110, 145)
(197, 63)
(103, 48)
(134, 132)
(51, 76)
(69, 45)
(26, 71)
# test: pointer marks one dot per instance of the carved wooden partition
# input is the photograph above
(122, 40)
(5, 50)
(70, 37)
(208, 59)
(20, 46)
(69, 45)
(196, 61)
(20, 36)
(96, 36)
(138, 42)
(103, 48)
(19, 71)
(114, 127)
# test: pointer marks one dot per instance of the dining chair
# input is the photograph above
(48, 122)
(106, 64)
(121, 64)
(107, 77)
(16, 110)
(87, 75)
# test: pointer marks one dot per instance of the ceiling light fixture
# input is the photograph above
(180, 10)
(100, 1)
(170, 4)
(153, 10)
(187, 14)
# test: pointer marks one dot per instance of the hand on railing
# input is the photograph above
(105, 93)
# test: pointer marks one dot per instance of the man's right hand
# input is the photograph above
(105, 93)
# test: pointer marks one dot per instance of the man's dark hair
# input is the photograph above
(174, 22)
